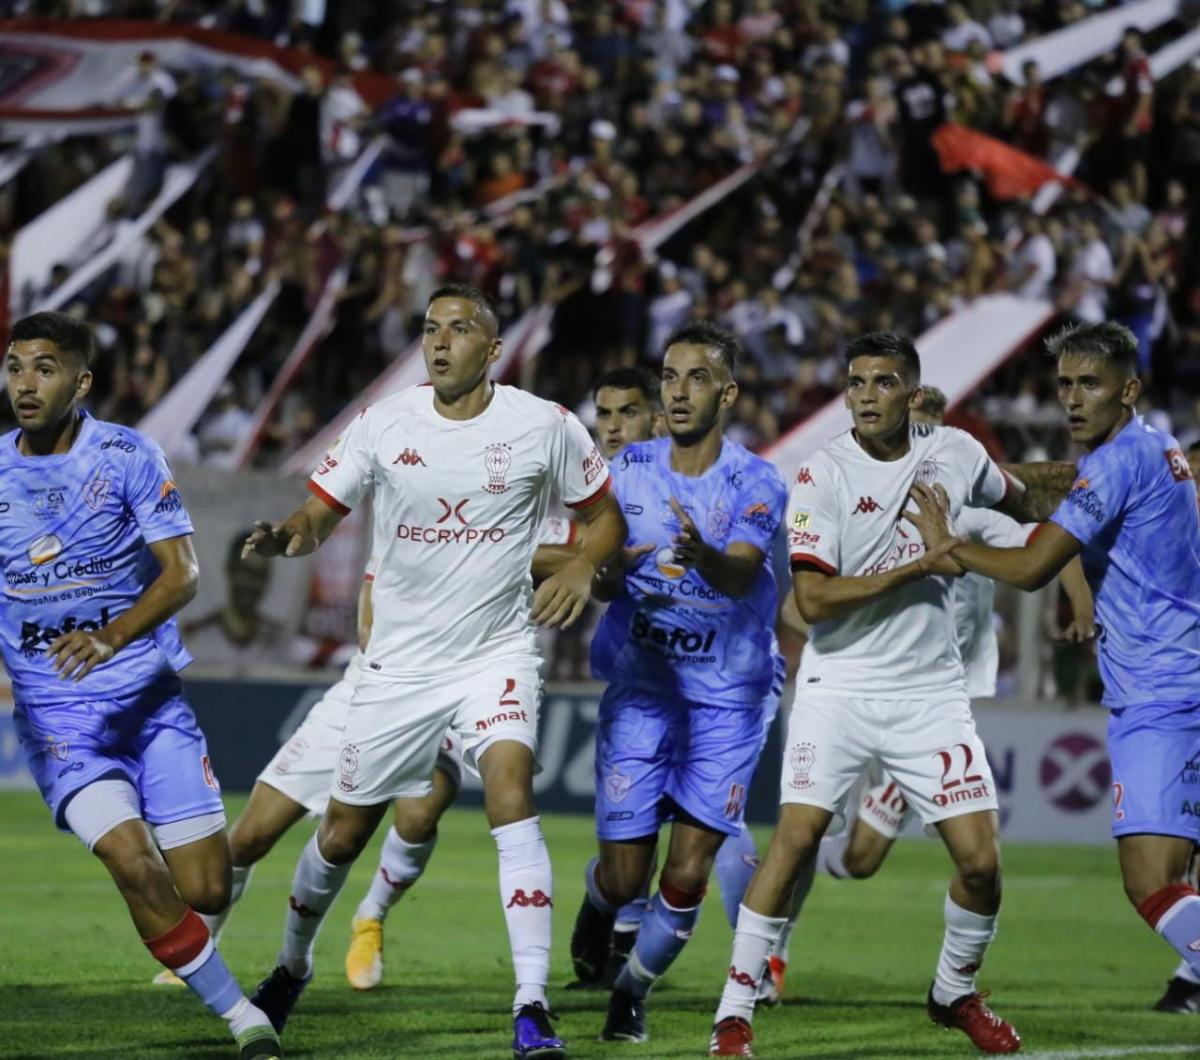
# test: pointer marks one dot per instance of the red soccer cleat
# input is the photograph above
(988, 1032)
(731, 1037)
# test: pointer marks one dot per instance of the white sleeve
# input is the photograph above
(813, 519)
(994, 528)
(986, 483)
(346, 473)
(577, 468)
(556, 530)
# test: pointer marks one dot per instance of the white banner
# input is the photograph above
(1058, 52)
(170, 422)
(957, 354)
(57, 234)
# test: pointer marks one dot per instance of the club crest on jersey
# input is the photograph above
(719, 522)
(617, 785)
(95, 493)
(927, 472)
(802, 759)
(497, 459)
(348, 767)
(44, 549)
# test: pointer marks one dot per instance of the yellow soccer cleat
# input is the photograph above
(168, 978)
(364, 958)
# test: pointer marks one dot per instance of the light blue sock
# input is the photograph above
(1179, 924)
(736, 861)
(665, 931)
(593, 889)
(212, 982)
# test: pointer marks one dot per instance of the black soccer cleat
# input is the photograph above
(1181, 998)
(618, 956)
(590, 942)
(277, 996)
(259, 1043)
(626, 1021)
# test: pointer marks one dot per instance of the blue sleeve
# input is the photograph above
(1099, 496)
(152, 496)
(760, 507)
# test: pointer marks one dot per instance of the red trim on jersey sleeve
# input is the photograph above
(328, 498)
(1034, 533)
(368, 577)
(588, 502)
(572, 531)
(804, 559)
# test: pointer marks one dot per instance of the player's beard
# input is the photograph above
(706, 421)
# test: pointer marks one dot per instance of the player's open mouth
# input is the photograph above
(680, 412)
(440, 364)
(28, 407)
(869, 417)
(1076, 421)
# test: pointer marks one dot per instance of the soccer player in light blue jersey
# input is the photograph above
(686, 647)
(1132, 516)
(97, 558)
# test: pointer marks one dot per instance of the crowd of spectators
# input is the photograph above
(528, 140)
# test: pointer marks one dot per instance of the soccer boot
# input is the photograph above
(533, 1037)
(364, 958)
(167, 978)
(618, 955)
(988, 1032)
(259, 1043)
(731, 1037)
(770, 987)
(626, 1021)
(277, 995)
(1181, 997)
(590, 940)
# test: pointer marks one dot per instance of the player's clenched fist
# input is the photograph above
(269, 539)
(561, 598)
(77, 654)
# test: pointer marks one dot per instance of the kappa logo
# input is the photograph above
(409, 458)
(742, 978)
(395, 885)
(455, 510)
(866, 505)
(497, 459)
(804, 478)
(538, 900)
(300, 909)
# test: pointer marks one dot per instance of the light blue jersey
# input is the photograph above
(1133, 508)
(74, 531)
(670, 632)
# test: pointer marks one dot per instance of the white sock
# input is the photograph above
(527, 895)
(314, 887)
(400, 866)
(1184, 971)
(241, 880)
(753, 941)
(243, 1016)
(963, 947)
(830, 855)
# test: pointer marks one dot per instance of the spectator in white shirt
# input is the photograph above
(963, 30)
(1035, 263)
(1092, 274)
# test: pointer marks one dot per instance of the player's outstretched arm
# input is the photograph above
(302, 532)
(1036, 490)
(1028, 568)
(561, 598)
(78, 653)
(550, 559)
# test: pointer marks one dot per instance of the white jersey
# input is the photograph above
(975, 597)
(844, 517)
(462, 502)
(557, 530)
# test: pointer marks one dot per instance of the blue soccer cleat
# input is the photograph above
(277, 996)
(533, 1037)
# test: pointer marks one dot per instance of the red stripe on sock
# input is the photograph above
(1154, 908)
(182, 944)
(677, 897)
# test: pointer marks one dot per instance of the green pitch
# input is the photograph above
(1073, 966)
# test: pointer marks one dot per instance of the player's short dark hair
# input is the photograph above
(68, 334)
(887, 344)
(715, 337)
(631, 379)
(470, 294)
(1106, 341)
(933, 401)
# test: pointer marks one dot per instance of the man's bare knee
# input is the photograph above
(345, 831)
(249, 845)
(416, 820)
(208, 895)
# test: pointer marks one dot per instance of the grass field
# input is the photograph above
(1073, 967)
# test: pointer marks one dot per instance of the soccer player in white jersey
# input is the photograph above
(452, 643)
(881, 679)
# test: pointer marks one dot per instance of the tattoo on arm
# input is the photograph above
(1046, 484)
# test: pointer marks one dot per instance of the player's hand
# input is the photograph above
(932, 520)
(561, 598)
(271, 539)
(623, 560)
(1080, 630)
(78, 653)
(940, 559)
(688, 545)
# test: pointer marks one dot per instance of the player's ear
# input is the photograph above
(916, 398)
(1131, 391)
(496, 350)
(729, 394)
(83, 384)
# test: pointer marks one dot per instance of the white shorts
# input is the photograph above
(395, 729)
(303, 768)
(929, 747)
